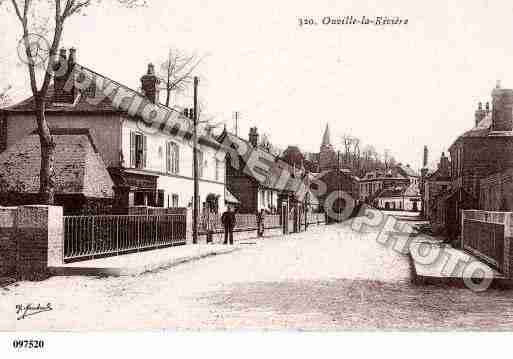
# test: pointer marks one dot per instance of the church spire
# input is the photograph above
(326, 137)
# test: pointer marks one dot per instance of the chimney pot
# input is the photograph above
(150, 84)
(151, 69)
(64, 92)
(253, 136)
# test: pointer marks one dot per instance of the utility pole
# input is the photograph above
(236, 115)
(338, 177)
(195, 165)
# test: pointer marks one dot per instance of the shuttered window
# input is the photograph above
(138, 150)
(172, 158)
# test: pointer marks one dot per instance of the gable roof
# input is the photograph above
(78, 166)
(103, 96)
(273, 178)
(400, 191)
(483, 129)
(407, 171)
(438, 175)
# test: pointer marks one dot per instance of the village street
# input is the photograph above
(327, 278)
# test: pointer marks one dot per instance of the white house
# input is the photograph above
(145, 146)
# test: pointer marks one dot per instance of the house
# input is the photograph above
(83, 184)
(399, 198)
(145, 146)
(252, 192)
(477, 154)
(435, 184)
(340, 190)
(408, 172)
(375, 181)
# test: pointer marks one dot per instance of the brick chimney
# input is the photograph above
(479, 114)
(502, 109)
(64, 91)
(150, 85)
(253, 136)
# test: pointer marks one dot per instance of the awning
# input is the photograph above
(230, 198)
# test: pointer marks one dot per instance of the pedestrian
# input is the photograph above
(260, 222)
(209, 226)
(228, 220)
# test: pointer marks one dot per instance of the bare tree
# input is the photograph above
(32, 14)
(388, 159)
(266, 143)
(4, 96)
(356, 154)
(176, 72)
(347, 142)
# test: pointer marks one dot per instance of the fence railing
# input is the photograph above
(316, 218)
(487, 234)
(486, 240)
(272, 221)
(91, 236)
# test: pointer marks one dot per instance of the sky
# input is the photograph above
(396, 87)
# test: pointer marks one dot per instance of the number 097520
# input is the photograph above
(28, 344)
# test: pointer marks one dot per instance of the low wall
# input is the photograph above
(7, 241)
(31, 239)
(488, 235)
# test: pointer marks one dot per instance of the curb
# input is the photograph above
(147, 268)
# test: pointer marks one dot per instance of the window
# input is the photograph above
(172, 158)
(172, 200)
(218, 169)
(160, 198)
(138, 149)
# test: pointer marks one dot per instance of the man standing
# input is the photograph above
(260, 223)
(228, 220)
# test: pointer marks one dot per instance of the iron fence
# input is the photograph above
(272, 221)
(486, 240)
(316, 218)
(93, 236)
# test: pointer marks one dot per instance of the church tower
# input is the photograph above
(327, 156)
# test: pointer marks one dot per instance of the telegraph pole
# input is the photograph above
(236, 117)
(195, 165)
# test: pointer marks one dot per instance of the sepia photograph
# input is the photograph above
(333, 169)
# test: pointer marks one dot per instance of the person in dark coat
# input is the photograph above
(260, 223)
(228, 220)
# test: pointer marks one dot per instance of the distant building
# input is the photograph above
(254, 192)
(335, 181)
(399, 198)
(436, 184)
(393, 188)
(328, 159)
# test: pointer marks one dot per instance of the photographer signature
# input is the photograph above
(24, 311)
